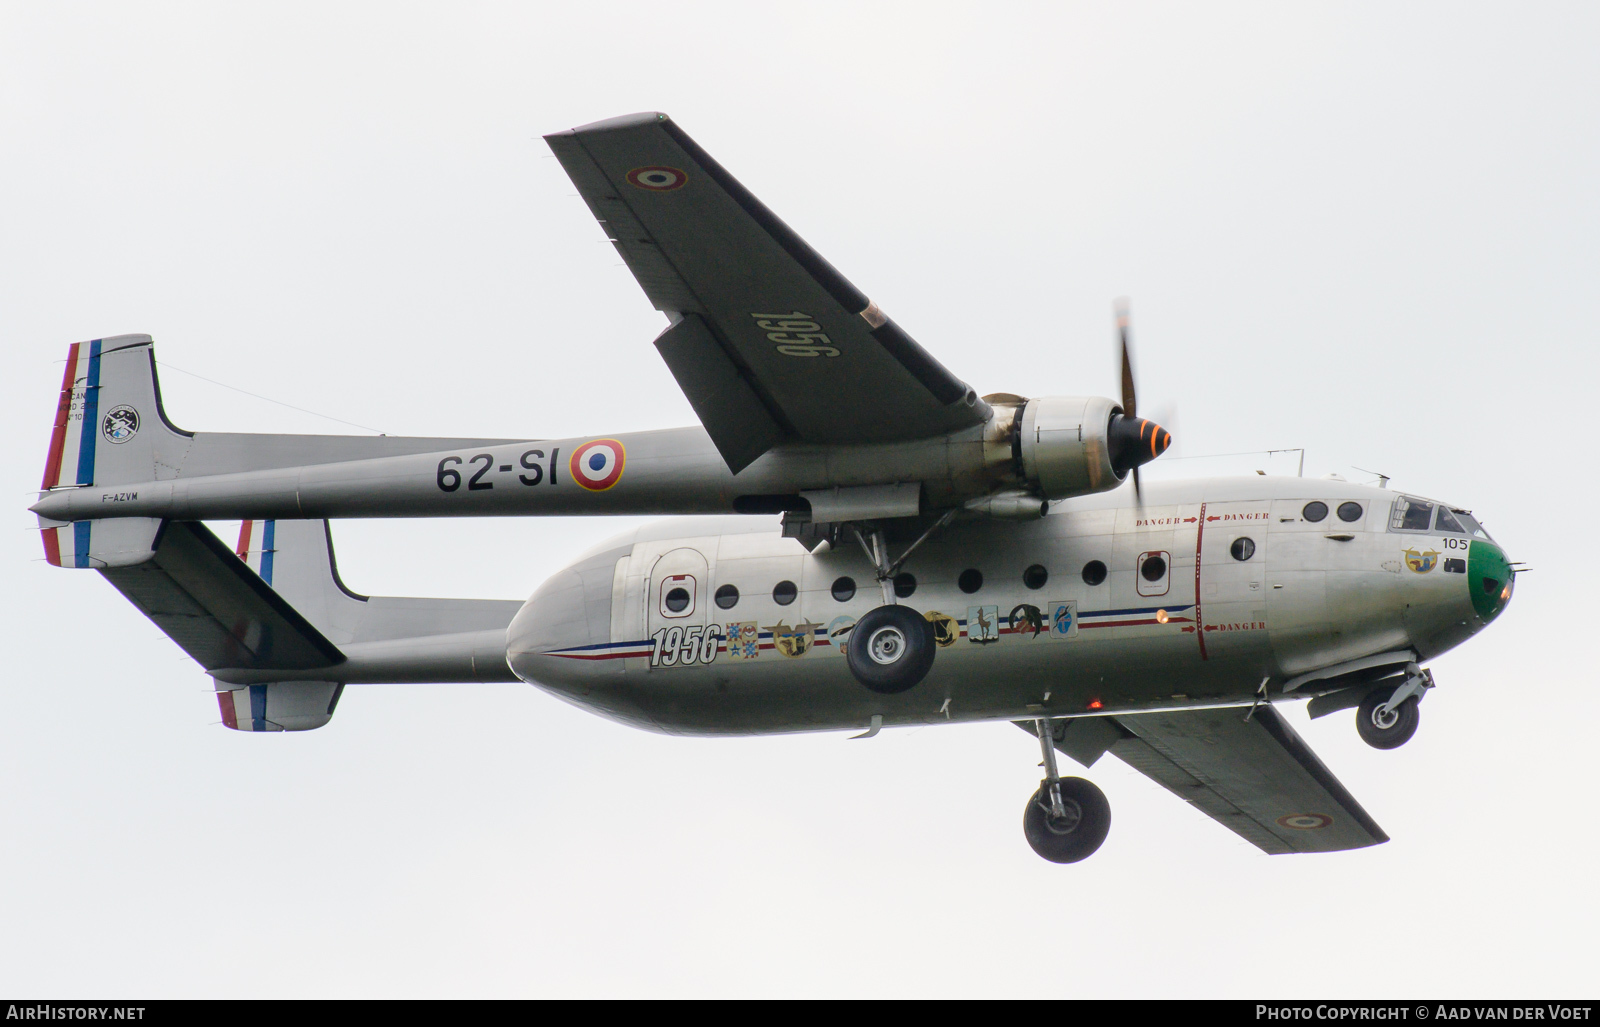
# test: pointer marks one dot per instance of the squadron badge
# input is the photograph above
(1026, 619)
(945, 628)
(1422, 562)
(1064, 619)
(744, 640)
(793, 642)
(120, 425)
(983, 624)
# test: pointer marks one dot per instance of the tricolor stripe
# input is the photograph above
(257, 545)
(68, 544)
(72, 437)
(244, 709)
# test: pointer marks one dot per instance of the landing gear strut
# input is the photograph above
(1388, 717)
(1068, 818)
(892, 647)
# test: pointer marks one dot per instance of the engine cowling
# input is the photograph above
(1065, 445)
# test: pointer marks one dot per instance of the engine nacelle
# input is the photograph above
(1065, 446)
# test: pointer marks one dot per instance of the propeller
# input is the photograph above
(1133, 440)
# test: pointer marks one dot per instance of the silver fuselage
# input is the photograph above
(1209, 631)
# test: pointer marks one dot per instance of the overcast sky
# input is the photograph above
(1366, 230)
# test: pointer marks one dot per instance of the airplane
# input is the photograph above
(857, 540)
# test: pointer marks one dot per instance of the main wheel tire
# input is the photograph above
(1079, 833)
(1386, 730)
(890, 649)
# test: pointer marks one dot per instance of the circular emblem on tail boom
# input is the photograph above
(597, 465)
(120, 424)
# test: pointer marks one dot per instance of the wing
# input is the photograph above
(769, 341)
(1258, 778)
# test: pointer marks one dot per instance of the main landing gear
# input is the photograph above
(891, 648)
(1068, 818)
(1388, 717)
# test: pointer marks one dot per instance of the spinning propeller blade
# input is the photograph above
(1134, 440)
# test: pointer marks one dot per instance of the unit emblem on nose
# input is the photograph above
(1422, 562)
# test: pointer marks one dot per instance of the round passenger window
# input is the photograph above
(1314, 511)
(1035, 576)
(1242, 548)
(970, 581)
(1094, 572)
(1349, 512)
(783, 593)
(1154, 569)
(905, 583)
(677, 600)
(727, 597)
(844, 589)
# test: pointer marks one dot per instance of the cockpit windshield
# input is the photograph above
(1411, 515)
(1469, 524)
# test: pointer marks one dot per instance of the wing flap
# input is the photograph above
(1258, 778)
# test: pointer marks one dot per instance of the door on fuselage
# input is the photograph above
(676, 610)
(1232, 601)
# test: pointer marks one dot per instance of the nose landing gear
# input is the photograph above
(1387, 718)
(1068, 818)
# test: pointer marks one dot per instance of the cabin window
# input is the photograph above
(844, 589)
(1243, 548)
(1447, 522)
(1314, 511)
(905, 583)
(783, 593)
(970, 581)
(1153, 567)
(1349, 512)
(727, 597)
(677, 592)
(1411, 515)
(1094, 572)
(1035, 576)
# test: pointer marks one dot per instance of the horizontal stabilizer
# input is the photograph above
(279, 706)
(217, 609)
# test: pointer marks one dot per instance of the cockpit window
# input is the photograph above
(1470, 524)
(1411, 515)
(1447, 522)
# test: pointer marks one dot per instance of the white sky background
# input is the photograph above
(1366, 230)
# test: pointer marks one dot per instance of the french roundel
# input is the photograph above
(1306, 821)
(658, 179)
(597, 465)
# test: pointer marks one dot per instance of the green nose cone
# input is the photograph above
(1489, 577)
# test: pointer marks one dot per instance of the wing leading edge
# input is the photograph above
(811, 358)
(1258, 778)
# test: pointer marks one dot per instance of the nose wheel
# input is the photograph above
(1068, 818)
(1388, 717)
